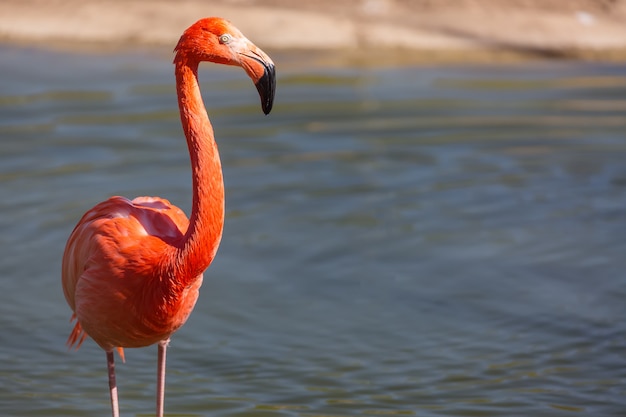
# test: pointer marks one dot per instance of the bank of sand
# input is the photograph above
(370, 29)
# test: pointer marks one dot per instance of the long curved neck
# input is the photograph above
(204, 233)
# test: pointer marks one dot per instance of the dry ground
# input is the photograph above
(435, 28)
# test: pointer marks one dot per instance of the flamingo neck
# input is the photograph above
(203, 235)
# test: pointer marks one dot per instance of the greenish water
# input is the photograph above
(411, 241)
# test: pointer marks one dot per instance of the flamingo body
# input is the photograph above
(114, 280)
(132, 269)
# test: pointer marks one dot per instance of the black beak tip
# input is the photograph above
(266, 86)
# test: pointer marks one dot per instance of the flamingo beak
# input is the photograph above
(262, 71)
(266, 86)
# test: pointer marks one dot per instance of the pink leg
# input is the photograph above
(112, 385)
(161, 377)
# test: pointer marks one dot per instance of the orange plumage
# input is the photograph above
(114, 278)
(132, 269)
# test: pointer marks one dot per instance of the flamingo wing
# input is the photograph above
(110, 259)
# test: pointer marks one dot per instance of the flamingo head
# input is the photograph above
(217, 40)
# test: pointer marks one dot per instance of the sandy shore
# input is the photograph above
(465, 29)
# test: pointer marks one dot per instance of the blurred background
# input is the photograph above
(430, 222)
(445, 28)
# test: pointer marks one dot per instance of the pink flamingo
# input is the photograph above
(132, 269)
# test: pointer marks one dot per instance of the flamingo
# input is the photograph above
(132, 269)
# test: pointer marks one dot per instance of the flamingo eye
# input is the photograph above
(225, 38)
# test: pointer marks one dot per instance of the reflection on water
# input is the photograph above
(415, 241)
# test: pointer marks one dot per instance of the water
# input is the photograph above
(412, 241)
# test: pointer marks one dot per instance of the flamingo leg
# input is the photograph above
(112, 384)
(160, 394)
